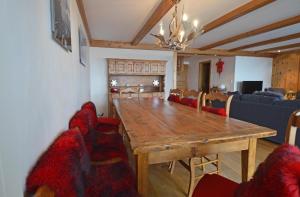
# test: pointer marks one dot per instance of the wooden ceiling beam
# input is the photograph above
(271, 41)
(84, 18)
(236, 13)
(289, 46)
(221, 52)
(156, 16)
(264, 29)
(124, 45)
(188, 51)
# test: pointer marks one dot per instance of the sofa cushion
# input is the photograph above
(218, 111)
(295, 104)
(277, 95)
(277, 90)
(62, 167)
(174, 98)
(258, 98)
(278, 176)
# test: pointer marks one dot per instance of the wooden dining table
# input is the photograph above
(160, 131)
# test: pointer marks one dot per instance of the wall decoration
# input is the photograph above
(83, 48)
(61, 25)
(220, 66)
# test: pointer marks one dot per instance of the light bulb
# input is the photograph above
(161, 32)
(185, 17)
(195, 23)
(181, 35)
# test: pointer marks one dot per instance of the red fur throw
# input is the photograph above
(189, 102)
(61, 167)
(218, 111)
(99, 122)
(278, 176)
(174, 98)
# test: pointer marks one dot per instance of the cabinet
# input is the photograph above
(135, 73)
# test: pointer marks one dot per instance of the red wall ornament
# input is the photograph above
(220, 66)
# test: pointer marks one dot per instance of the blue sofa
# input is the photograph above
(266, 111)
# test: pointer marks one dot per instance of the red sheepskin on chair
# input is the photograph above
(189, 102)
(61, 167)
(174, 98)
(102, 122)
(218, 111)
(278, 176)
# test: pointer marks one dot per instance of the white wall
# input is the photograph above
(99, 74)
(253, 69)
(226, 77)
(41, 86)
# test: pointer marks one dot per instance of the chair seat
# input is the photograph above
(218, 111)
(208, 184)
(102, 153)
(108, 121)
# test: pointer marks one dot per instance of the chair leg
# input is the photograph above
(192, 177)
(172, 167)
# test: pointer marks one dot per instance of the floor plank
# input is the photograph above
(162, 183)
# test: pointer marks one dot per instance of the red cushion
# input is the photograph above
(61, 167)
(278, 176)
(215, 186)
(218, 111)
(189, 102)
(174, 98)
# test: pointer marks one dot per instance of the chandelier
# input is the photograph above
(182, 32)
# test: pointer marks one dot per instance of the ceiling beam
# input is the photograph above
(221, 52)
(84, 18)
(188, 51)
(289, 46)
(236, 13)
(271, 41)
(124, 45)
(156, 16)
(267, 28)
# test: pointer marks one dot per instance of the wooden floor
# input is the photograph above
(163, 184)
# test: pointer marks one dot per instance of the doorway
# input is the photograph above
(204, 76)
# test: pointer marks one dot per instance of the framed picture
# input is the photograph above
(61, 25)
(83, 47)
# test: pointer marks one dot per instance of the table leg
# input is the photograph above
(248, 160)
(142, 174)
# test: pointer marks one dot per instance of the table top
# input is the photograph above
(153, 124)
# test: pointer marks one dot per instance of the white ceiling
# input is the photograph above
(120, 20)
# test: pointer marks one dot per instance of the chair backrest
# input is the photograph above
(195, 94)
(176, 92)
(213, 96)
(293, 124)
(129, 91)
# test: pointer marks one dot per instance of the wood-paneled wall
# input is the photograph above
(286, 72)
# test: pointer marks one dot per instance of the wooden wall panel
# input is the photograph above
(285, 72)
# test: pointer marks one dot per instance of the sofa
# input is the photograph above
(89, 159)
(267, 111)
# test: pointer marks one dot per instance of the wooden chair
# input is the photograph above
(127, 92)
(195, 94)
(225, 187)
(293, 124)
(212, 160)
(207, 100)
(176, 92)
